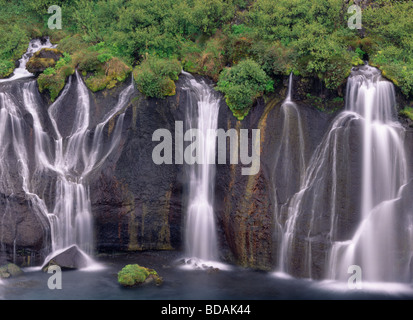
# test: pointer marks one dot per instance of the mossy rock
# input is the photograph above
(10, 270)
(133, 274)
(169, 88)
(43, 59)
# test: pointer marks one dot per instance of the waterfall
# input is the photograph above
(34, 46)
(68, 147)
(202, 114)
(379, 243)
(290, 162)
(290, 89)
(74, 160)
(344, 213)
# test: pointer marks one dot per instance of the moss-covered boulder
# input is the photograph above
(134, 274)
(10, 270)
(43, 59)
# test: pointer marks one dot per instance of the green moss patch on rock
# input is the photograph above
(107, 74)
(10, 270)
(134, 274)
(407, 112)
(43, 59)
(54, 81)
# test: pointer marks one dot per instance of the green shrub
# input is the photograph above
(208, 60)
(155, 76)
(49, 71)
(242, 85)
(6, 68)
(53, 83)
(88, 61)
(104, 57)
(72, 44)
(407, 112)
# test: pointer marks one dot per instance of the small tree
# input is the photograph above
(155, 76)
(242, 85)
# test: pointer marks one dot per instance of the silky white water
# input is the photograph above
(289, 164)
(200, 230)
(364, 138)
(378, 244)
(66, 159)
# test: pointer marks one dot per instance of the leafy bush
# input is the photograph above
(112, 71)
(14, 41)
(389, 23)
(208, 60)
(155, 76)
(407, 112)
(6, 68)
(242, 84)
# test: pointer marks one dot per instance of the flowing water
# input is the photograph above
(361, 156)
(67, 159)
(379, 243)
(21, 72)
(202, 114)
(290, 162)
(357, 176)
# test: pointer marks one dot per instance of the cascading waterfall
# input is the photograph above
(289, 165)
(202, 114)
(364, 146)
(34, 46)
(68, 158)
(379, 243)
(75, 159)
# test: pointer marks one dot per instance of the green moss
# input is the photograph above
(10, 270)
(407, 112)
(53, 82)
(97, 82)
(134, 274)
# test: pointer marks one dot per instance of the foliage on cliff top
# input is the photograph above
(155, 76)
(309, 38)
(242, 85)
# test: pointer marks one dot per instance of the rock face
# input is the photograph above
(138, 205)
(246, 205)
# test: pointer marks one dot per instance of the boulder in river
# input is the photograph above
(67, 259)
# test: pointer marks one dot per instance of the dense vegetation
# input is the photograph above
(221, 39)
